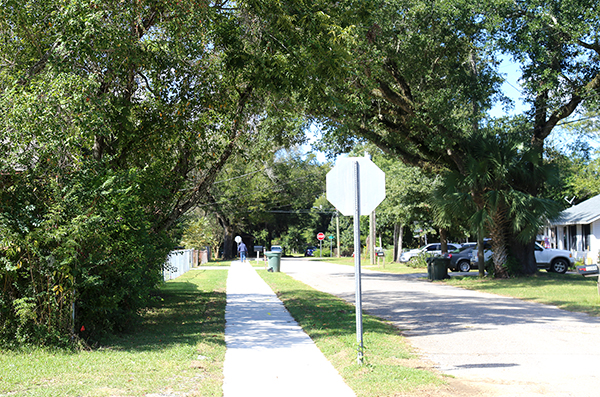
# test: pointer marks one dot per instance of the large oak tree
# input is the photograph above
(423, 76)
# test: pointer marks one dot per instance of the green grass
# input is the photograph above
(218, 262)
(390, 366)
(178, 346)
(567, 291)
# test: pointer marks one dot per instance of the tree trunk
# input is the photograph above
(498, 233)
(524, 254)
(228, 243)
(444, 240)
(398, 233)
(480, 256)
(227, 237)
(372, 236)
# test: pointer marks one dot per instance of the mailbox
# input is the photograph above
(258, 248)
(588, 270)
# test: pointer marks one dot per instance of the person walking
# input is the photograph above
(242, 250)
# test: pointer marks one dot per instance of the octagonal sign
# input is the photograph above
(341, 183)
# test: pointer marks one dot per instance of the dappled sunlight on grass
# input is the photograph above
(176, 346)
(566, 291)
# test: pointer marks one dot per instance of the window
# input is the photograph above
(586, 231)
(573, 235)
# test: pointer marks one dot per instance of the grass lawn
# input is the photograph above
(178, 347)
(390, 366)
(566, 291)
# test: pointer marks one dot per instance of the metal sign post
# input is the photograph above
(238, 240)
(358, 289)
(321, 236)
(331, 246)
(354, 186)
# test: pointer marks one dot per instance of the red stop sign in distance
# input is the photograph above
(321, 236)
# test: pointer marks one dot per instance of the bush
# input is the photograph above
(419, 261)
(81, 241)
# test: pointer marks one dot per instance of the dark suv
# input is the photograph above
(460, 260)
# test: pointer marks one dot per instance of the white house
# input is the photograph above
(578, 229)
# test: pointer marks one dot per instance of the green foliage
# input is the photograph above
(415, 104)
(418, 262)
(81, 238)
(585, 181)
(493, 191)
(202, 230)
(169, 336)
(116, 118)
(269, 193)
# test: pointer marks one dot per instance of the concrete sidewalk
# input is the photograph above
(268, 353)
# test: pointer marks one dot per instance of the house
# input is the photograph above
(578, 229)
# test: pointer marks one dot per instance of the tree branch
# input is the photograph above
(203, 186)
(593, 46)
(38, 66)
(544, 127)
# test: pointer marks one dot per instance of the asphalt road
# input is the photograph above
(504, 346)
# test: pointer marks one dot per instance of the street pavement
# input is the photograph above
(505, 346)
(268, 354)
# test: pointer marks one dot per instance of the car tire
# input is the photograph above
(559, 266)
(464, 266)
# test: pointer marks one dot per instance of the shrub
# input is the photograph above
(79, 244)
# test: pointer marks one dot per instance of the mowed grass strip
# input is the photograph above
(567, 291)
(570, 292)
(177, 348)
(390, 367)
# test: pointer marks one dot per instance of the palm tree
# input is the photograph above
(488, 188)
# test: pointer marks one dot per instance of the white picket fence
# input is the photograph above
(178, 263)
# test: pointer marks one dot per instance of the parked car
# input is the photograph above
(460, 260)
(429, 249)
(553, 260)
(277, 248)
(549, 259)
(309, 251)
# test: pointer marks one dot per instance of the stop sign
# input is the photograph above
(341, 182)
(320, 236)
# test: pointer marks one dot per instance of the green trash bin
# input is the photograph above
(439, 268)
(429, 261)
(274, 259)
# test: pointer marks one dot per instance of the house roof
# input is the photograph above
(582, 213)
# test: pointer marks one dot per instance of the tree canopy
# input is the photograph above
(117, 118)
(424, 75)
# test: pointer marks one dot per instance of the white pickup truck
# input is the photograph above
(552, 260)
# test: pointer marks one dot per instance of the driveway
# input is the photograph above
(505, 346)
